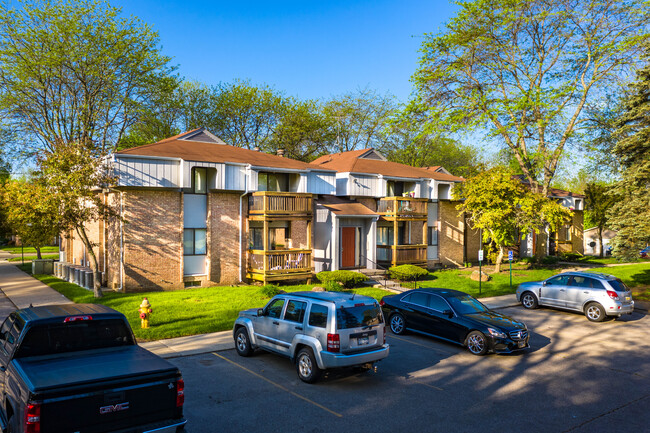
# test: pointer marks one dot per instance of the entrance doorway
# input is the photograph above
(348, 247)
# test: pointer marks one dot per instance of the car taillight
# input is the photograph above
(612, 295)
(333, 343)
(180, 392)
(33, 418)
(76, 318)
(382, 303)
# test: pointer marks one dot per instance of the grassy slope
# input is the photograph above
(29, 250)
(34, 257)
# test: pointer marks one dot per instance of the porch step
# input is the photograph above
(371, 273)
(391, 285)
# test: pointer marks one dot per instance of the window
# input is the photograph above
(419, 299)
(272, 181)
(194, 242)
(384, 235)
(318, 316)
(256, 238)
(437, 303)
(567, 232)
(199, 180)
(358, 316)
(432, 236)
(295, 311)
(561, 280)
(275, 308)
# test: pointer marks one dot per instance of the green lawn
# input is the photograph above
(183, 312)
(30, 258)
(29, 250)
(636, 276)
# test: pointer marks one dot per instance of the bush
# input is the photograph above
(527, 260)
(270, 290)
(348, 279)
(571, 257)
(407, 272)
(333, 286)
(550, 260)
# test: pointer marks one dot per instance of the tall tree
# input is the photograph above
(631, 215)
(598, 202)
(523, 71)
(75, 72)
(31, 212)
(502, 207)
(360, 118)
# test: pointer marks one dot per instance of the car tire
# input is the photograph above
(397, 324)
(529, 301)
(595, 312)
(476, 343)
(306, 366)
(243, 342)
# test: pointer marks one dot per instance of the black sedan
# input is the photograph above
(456, 317)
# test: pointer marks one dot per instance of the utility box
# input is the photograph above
(43, 266)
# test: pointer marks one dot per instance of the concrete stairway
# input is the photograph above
(378, 278)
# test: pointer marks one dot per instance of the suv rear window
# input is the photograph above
(358, 316)
(74, 336)
(618, 285)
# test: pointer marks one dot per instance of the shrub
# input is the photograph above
(270, 290)
(407, 272)
(550, 260)
(333, 286)
(348, 279)
(571, 257)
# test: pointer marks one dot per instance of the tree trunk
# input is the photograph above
(38, 253)
(600, 239)
(81, 231)
(497, 267)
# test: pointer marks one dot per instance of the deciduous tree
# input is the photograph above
(523, 71)
(598, 202)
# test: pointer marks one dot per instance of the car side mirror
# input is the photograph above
(260, 312)
(448, 313)
(544, 283)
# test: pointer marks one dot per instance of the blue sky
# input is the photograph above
(307, 49)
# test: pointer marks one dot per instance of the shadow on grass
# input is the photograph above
(641, 278)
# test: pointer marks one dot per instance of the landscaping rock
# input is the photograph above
(318, 289)
(482, 275)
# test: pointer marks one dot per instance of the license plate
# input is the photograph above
(521, 344)
(363, 341)
(627, 298)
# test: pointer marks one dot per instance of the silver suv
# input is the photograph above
(316, 330)
(595, 295)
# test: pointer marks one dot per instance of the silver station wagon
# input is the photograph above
(316, 330)
(596, 295)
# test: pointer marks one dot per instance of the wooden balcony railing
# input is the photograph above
(279, 203)
(279, 261)
(402, 206)
(402, 254)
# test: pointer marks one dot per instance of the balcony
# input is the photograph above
(279, 265)
(394, 255)
(279, 204)
(402, 207)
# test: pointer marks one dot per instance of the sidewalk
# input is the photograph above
(20, 290)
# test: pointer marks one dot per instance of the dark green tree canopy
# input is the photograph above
(523, 71)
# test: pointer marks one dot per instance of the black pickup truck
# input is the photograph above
(77, 368)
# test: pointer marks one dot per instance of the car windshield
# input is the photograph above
(465, 304)
(358, 316)
(618, 285)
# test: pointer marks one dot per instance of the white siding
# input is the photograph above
(195, 211)
(146, 172)
(320, 182)
(323, 239)
(368, 186)
(342, 180)
(213, 181)
(235, 178)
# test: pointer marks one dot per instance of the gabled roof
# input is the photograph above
(201, 145)
(366, 161)
(552, 192)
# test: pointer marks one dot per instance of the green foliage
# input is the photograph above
(333, 286)
(501, 207)
(523, 72)
(631, 215)
(549, 260)
(407, 272)
(270, 290)
(570, 257)
(598, 202)
(348, 279)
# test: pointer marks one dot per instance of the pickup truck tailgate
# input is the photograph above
(101, 390)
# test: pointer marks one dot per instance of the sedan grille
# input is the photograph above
(519, 335)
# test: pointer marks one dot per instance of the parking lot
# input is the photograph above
(577, 376)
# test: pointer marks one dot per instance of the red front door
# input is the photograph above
(348, 244)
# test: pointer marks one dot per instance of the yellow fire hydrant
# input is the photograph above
(145, 311)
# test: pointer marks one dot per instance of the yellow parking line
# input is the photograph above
(278, 385)
(426, 384)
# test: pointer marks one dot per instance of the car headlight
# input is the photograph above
(496, 333)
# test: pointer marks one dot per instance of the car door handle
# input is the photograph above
(561, 290)
(299, 328)
(586, 292)
(276, 323)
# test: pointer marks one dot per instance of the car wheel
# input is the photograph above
(306, 366)
(595, 312)
(397, 324)
(529, 301)
(243, 342)
(476, 343)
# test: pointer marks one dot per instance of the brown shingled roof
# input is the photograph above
(188, 150)
(344, 207)
(351, 162)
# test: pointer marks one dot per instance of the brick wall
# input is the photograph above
(577, 232)
(369, 202)
(223, 237)
(299, 232)
(153, 234)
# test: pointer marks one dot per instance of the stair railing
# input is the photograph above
(361, 256)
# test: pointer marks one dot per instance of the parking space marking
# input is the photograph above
(277, 385)
(421, 345)
(426, 384)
